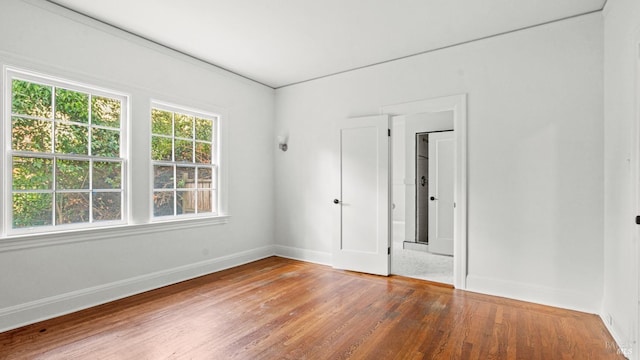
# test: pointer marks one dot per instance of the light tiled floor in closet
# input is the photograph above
(421, 264)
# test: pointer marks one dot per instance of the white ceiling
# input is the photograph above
(280, 42)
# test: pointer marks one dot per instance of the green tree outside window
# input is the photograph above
(61, 139)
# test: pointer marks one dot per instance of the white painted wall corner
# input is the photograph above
(317, 257)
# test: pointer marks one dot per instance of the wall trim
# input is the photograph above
(634, 335)
(312, 256)
(26, 241)
(458, 104)
(34, 311)
(556, 297)
(622, 347)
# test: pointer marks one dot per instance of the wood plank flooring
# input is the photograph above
(284, 309)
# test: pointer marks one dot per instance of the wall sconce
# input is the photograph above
(282, 143)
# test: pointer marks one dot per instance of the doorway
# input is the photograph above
(371, 254)
(422, 196)
(434, 191)
(440, 114)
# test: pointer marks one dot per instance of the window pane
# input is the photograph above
(162, 203)
(161, 123)
(183, 126)
(185, 177)
(204, 129)
(107, 175)
(107, 206)
(72, 174)
(71, 139)
(72, 208)
(205, 180)
(31, 99)
(72, 106)
(204, 201)
(184, 150)
(204, 174)
(163, 177)
(32, 209)
(105, 143)
(161, 149)
(105, 111)
(32, 173)
(31, 135)
(203, 153)
(186, 202)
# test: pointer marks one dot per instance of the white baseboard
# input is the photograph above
(47, 308)
(561, 298)
(318, 257)
(623, 346)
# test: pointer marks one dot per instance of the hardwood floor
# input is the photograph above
(284, 309)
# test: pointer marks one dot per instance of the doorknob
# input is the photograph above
(336, 201)
(432, 198)
(423, 180)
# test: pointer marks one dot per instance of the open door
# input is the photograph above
(362, 239)
(441, 172)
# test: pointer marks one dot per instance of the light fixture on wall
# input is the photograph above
(282, 143)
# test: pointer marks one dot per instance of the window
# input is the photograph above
(185, 161)
(66, 154)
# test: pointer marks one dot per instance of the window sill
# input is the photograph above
(26, 241)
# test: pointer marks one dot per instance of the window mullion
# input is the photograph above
(90, 152)
(54, 189)
(175, 191)
(54, 124)
(55, 160)
(91, 190)
(173, 137)
(89, 128)
(33, 191)
(194, 193)
(197, 185)
(173, 159)
(193, 139)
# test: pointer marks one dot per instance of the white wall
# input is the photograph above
(535, 161)
(535, 156)
(86, 269)
(622, 36)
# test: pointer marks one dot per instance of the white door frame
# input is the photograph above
(457, 104)
(635, 178)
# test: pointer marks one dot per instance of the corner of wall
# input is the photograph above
(317, 257)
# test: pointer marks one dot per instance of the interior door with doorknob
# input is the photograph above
(441, 171)
(362, 238)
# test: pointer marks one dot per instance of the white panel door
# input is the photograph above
(441, 172)
(362, 238)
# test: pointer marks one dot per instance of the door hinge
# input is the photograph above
(389, 132)
(638, 220)
(389, 251)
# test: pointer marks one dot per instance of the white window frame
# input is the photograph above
(216, 163)
(6, 226)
